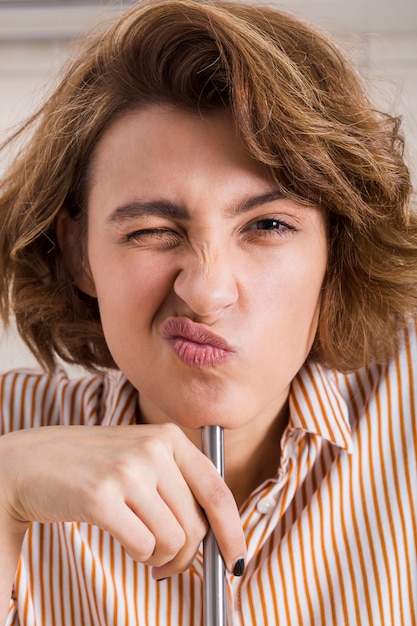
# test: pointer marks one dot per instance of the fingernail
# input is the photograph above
(239, 567)
(159, 580)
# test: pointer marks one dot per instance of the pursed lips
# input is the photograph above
(194, 344)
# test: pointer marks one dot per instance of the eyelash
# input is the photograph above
(276, 226)
(169, 238)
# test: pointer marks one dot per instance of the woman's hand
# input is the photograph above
(149, 486)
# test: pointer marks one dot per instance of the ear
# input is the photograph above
(70, 241)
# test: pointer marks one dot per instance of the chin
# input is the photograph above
(210, 419)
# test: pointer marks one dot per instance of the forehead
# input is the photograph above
(164, 127)
(172, 148)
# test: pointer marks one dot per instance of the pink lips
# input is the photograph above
(194, 344)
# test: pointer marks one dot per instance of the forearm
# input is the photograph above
(12, 529)
(11, 540)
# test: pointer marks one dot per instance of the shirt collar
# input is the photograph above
(317, 406)
(119, 400)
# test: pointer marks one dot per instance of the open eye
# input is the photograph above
(270, 225)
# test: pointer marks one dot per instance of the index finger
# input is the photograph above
(218, 502)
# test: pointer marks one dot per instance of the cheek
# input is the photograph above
(297, 286)
(304, 306)
(291, 300)
(122, 283)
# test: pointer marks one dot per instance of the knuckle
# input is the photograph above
(145, 549)
(218, 494)
(178, 542)
(167, 548)
(174, 543)
(171, 432)
(154, 448)
(95, 498)
(199, 528)
(182, 561)
(159, 559)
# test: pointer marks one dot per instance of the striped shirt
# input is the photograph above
(332, 538)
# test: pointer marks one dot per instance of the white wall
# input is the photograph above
(34, 43)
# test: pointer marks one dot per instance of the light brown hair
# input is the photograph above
(299, 108)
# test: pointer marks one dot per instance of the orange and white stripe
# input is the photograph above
(332, 539)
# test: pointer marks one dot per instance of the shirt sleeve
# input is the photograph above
(29, 399)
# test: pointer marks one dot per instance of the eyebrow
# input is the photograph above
(255, 201)
(140, 208)
(164, 208)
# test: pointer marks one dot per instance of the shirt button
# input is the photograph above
(266, 505)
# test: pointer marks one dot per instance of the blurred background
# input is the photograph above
(36, 37)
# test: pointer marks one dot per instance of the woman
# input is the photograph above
(211, 217)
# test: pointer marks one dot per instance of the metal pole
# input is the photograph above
(213, 568)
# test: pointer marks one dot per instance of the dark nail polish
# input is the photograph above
(239, 567)
(159, 580)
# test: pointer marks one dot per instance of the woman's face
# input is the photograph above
(207, 278)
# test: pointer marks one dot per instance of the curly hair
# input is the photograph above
(299, 109)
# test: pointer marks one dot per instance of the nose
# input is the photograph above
(207, 283)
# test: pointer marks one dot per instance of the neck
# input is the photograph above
(251, 452)
(252, 455)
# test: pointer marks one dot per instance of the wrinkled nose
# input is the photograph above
(207, 284)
